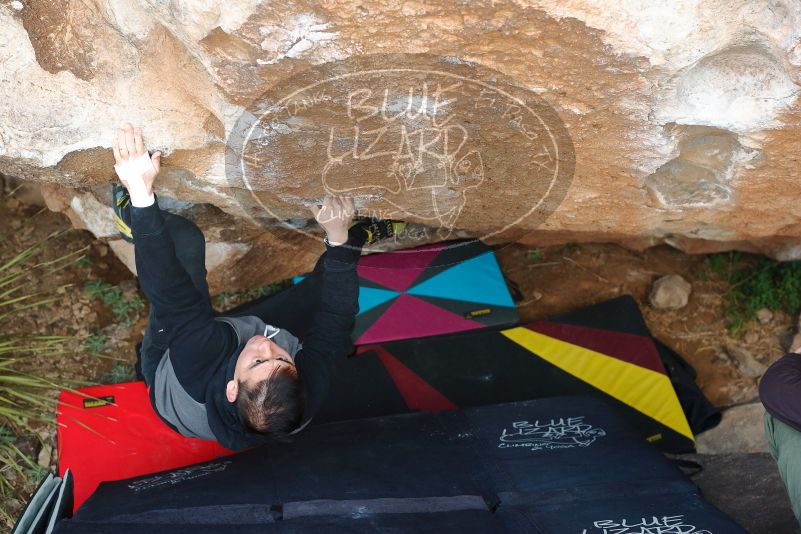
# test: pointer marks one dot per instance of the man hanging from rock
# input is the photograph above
(262, 370)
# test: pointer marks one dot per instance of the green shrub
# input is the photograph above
(85, 261)
(94, 343)
(125, 310)
(120, 373)
(756, 282)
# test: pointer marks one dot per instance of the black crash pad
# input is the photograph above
(553, 465)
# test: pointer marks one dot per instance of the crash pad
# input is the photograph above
(111, 432)
(603, 350)
(564, 464)
(430, 290)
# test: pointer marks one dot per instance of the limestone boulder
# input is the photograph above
(539, 121)
(670, 292)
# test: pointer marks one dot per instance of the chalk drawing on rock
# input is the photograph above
(408, 136)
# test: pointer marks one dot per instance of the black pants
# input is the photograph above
(291, 309)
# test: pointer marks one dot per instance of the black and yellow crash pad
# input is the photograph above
(604, 350)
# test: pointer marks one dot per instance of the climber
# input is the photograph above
(780, 392)
(258, 372)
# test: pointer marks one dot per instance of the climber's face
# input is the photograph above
(259, 359)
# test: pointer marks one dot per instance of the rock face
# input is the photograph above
(541, 121)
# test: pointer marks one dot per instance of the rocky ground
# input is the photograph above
(553, 280)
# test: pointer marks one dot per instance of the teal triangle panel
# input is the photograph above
(477, 279)
(370, 297)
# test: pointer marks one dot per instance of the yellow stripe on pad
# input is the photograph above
(643, 389)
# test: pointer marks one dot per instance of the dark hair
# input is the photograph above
(273, 406)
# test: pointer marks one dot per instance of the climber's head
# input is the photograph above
(265, 388)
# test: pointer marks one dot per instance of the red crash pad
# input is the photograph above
(111, 432)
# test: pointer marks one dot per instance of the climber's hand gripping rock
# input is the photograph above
(136, 169)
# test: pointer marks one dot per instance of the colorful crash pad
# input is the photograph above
(604, 350)
(430, 290)
(111, 432)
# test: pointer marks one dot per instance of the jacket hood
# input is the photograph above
(224, 419)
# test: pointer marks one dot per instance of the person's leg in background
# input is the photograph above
(292, 308)
(785, 447)
(190, 248)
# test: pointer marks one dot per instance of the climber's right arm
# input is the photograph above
(178, 304)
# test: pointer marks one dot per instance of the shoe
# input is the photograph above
(379, 229)
(121, 203)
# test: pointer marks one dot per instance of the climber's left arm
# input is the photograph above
(328, 341)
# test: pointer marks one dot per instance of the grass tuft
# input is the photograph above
(122, 372)
(94, 343)
(27, 402)
(756, 282)
(125, 310)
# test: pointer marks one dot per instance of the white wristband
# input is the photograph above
(330, 244)
(132, 173)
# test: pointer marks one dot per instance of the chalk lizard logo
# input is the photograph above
(562, 433)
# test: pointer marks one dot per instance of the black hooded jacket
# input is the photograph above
(203, 349)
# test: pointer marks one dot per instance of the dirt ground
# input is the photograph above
(554, 280)
(72, 313)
